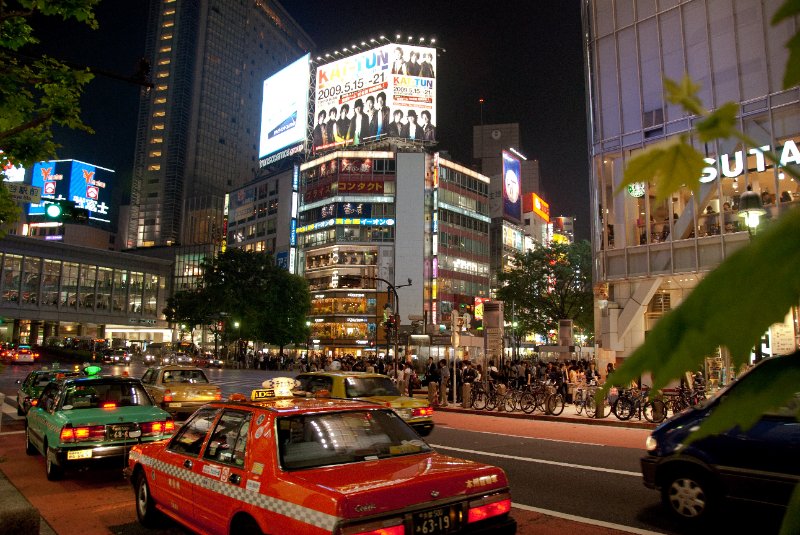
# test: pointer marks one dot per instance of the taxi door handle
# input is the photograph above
(235, 479)
(187, 463)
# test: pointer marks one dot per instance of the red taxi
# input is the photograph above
(285, 465)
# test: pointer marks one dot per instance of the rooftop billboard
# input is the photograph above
(388, 91)
(87, 185)
(284, 112)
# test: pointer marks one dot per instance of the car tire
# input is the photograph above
(689, 496)
(53, 471)
(146, 510)
(30, 449)
(245, 524)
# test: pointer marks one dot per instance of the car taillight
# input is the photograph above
(167, 396)
(151, 429)
(109, 405)
(488, 510)
(82, 434)
(34, 402)
(374, 528)
(422, 411)
(217, 395)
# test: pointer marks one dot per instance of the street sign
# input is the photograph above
(24, 192)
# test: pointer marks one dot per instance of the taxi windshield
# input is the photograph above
(44, 378)
(103, 394)
(365, 387)
(309, 441)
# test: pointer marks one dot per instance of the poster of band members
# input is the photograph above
(388, 91)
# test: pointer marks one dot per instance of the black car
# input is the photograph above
(757, 465)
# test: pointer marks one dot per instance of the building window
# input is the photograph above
(158, 126)
(161, 113)
(157, 140)
(162, 87)
(164, 61)
(154, 167)
(165, 49)
(166, 36)
(161, 100)
(163, 75)
(155, 154)
(168, 24)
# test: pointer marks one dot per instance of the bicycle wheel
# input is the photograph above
(623, 408)
(591, 408)
(579, 403)
(555, 404)
(479, 399)
(508, 403)
(655, 411)
(541, 400)
(527, 402)
(491, 401)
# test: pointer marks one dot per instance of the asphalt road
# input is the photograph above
(565, 477)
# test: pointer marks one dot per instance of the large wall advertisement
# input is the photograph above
(512, 187)
(389, 91)
(84, 184)
(284, 112)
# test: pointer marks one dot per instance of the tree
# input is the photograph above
(282, 309)
(761, 276)
(35, 93)
(188, 307)
(548, 284)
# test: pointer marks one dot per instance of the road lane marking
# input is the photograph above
(584, 520)
(541, 461)
(536, 438)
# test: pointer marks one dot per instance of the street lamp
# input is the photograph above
(751, 209)
(308, 342)
(238, 342)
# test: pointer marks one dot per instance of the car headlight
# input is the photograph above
(651, 443)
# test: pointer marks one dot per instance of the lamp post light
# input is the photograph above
(238, 344)
(751, 209)
(308, 343)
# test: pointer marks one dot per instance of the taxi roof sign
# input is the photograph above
(262, 394)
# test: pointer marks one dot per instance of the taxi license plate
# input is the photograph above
(79, 454)
(174, 404)
(434, 521)
(118, 432)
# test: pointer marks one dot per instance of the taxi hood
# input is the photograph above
(374, 487)
(397, 402)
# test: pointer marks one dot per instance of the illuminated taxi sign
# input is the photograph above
(262, 394)
(279, 387)
(92, 370)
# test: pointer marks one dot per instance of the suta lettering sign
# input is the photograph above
(789, 155)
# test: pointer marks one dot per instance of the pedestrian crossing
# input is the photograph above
(10, 411)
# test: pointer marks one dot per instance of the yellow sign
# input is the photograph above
(262, 394)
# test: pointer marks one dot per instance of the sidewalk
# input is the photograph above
(17, 515)
(568, 416)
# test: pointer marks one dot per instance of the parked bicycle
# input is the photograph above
(635, 402)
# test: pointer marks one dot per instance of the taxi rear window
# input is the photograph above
(184, 376)
(365, 387)
(98, 394)
(309, 441)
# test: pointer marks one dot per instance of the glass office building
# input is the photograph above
(650, 255)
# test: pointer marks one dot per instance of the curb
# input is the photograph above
(17, 515)
(607, 422)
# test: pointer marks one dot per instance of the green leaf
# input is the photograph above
(732, 306)
(670, 164)
(684, 94)
(791, 77)
(756, 394)
(720, 123)
(789, 9)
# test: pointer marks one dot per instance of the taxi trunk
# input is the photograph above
(193, 392)
(413, 484)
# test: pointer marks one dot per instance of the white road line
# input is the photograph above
(534, 438)
(541, 461)
(584, 520)
(11, 412)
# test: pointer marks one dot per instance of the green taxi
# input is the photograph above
(84, 419)
(371, 387)
(31, 387)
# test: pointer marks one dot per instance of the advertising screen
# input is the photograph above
(84, 184)
(512, 186)
(389, 91)
(284, 109)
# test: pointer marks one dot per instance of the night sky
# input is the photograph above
(523, 57)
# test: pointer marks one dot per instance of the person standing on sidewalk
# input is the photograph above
(432, 376)
(444, 379)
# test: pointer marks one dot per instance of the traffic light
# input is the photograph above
(54, 210)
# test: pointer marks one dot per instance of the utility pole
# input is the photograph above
(396, 313)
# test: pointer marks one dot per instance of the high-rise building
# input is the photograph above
(368, 217)
(488, 143)
(650, 255)
(199, 124)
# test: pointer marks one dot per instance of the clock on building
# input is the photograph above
(496, 134)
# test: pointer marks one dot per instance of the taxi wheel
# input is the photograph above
(689, 496)
(30, 449)
(54, 471)
(146, 510)
(244, 524)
